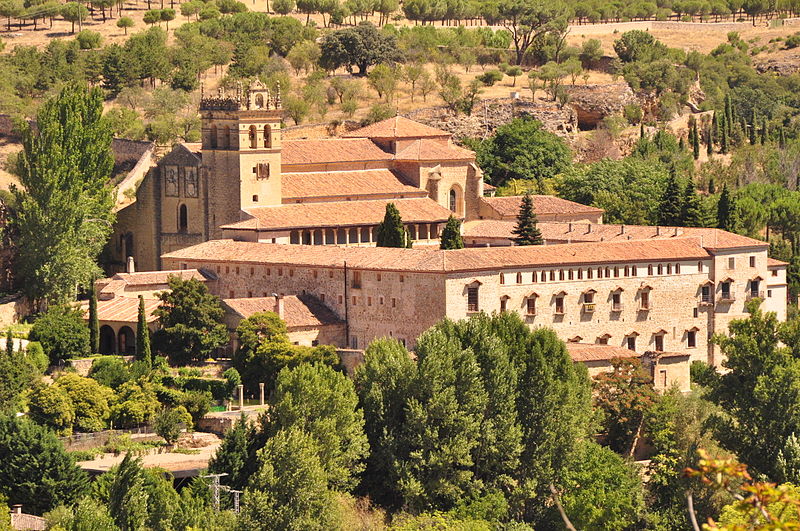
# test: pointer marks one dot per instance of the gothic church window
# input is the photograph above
(171, 182)
(183, 219)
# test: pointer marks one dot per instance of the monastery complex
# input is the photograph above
(289, 226)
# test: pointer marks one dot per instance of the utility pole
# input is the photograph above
(236, 494)
(216, 487)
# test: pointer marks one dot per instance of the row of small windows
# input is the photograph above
(601, 272)
(223, 139)
(588, 301)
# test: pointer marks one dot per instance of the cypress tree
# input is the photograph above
(781, 138)
(727, 216)
(94, 323)
(451, 235)
(390, 232)
(671, 202)
(752, 130)
(10, 345)
(710, 142)
(692, 214)
(641, 130)
(712, 188)
(143, 336)
(682, 142)
(695, 142)
(723, 141)
(764, 131)
(527, 232)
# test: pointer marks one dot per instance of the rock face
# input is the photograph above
(592, 103)
(490, 114)
(782, 67)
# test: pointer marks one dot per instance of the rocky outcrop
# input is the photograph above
(490, 114)
(784, 66)
(592, 103)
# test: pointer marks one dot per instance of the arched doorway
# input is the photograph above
(108, 340)
(127, 341)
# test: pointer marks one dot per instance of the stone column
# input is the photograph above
(241, 397)
(261, 392)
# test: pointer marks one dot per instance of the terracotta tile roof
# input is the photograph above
(122, 309)
(27, 521)
(584, 352)
(340, 214)
(360, 183)
(331, 150)
(542, 204)
(148, 278)
(557, 232)
(298, 310)
(772, 262)
(432, 150)
(437, 261)
(396, 127)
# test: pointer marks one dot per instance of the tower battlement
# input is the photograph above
(256, 97)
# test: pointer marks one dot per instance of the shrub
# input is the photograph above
(793, 41)
(89, 40)
(62, 333)
(111, 371)
(377, 113)
(491, 77)
(36, 356)
(633, 113)
(197, 403)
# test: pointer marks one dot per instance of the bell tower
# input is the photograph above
(241, 135)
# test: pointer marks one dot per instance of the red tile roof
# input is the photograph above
(557, 232)
(542, 204)
(772, 262)
(148, 278)
(123, 309)
(433, 150)
(341, 184)
(396, 127)
(331, 150)
(298, 310)
(340, 214)
(438, 261)
(584, 352)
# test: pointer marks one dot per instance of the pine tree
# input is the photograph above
(390, 232)
(670, 206)
(451, 235)
(143, 336)
(527, 232)
(727, 216)
(94, 322)
(692, 214)
(695, 142)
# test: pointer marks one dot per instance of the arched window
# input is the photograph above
(183, 219)
(213, 137)
(267, 136)
(253, 137)
(226, 138)
(453, 200)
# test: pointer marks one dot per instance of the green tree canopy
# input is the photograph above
(526, 232)
(522, 149)
(191, 321)
(451, 235)
(391, 232)
(64, 214)
(36, 471)
(62, 333)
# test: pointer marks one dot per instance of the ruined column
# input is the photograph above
(241, 397)
(261, 392)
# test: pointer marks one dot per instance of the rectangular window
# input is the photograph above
(502, 278)
(380, 300)
(353, 342)
(731, 263)
(662, 376)
(754, 285)
(340, 299)
(402, 278)
(503, 304)
(752, 261)
(588, 297)
(645, 300)
(280, 271)
(322, 297)
(354, 300)
(659, 343)
(691, 339)
(695, 312)
(519, 277)
(705, 294)
(315, 273)
(472, 299)
(774, 272)
(379, 277)
(631, 342)
(252, 271)
(291, 272)
(616, 302)
(394, 302)
(231, 295)
(531, 305)
(369, 301)
(559, 305)
(237, 270)
(330, 273)
(769, 293)
(356, 281)
(725, 288)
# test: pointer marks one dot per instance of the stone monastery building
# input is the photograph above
(276, 224)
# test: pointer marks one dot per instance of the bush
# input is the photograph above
(793, 41)
(197, 403)
(377, 113)
(36, 356)
(89, 40)
(110, 371)
(633, 113)
(62, 333)
(491, 77)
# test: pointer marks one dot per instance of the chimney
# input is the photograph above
(570, 227)
(622, 229)
(677, 231)
(278, 305)
(588, 228)
(131, 267)
(658, 231)
(16, 509)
